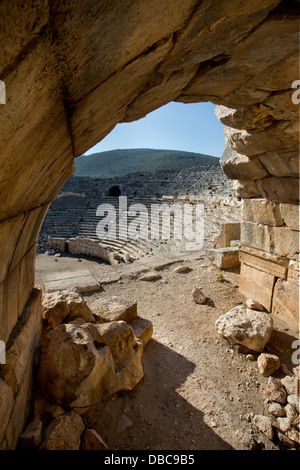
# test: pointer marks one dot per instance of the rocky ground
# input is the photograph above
(198, 391)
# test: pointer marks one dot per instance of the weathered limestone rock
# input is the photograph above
(276, 409)
(254, 305)
(81, 365)
(182, 269)
(92, 441)
(142, 328)
(276, 391)
(267, 364)
(80, 281)
(65, 306)
(248, 327)
(114, 309)
(291, 384)
(32, 436)
(237, 166)
(150, 277)
(64, 433)
(290, 412)
(246, 189)
(264, 424)
(294, 401)
(277, 190)
(198, 296)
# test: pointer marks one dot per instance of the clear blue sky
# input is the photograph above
(175, 126)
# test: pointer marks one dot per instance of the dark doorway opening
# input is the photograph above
(114, 191)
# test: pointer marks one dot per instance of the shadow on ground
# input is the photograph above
(161, 418)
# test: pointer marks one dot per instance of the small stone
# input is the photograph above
(198, 296)
(247, 438)
(254, 305)
(294, 435)
(284, 440)
(264, 424)
(150, 277)
(31, 437)
(92, 441)
(182, 269)
(267, 364)
(276, 409)
(64, 433)
(294, 400)
(275, 391)
(290, 384)
(123, 424)
(296, 423)
(55, 410)
(291, 412)
(250, 357)
(284, 424)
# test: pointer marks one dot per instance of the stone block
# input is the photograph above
(20, 410)
(256, 236)
(257, 285)
(261, 211)
(20, 348)
(6, 406)
(224, 258)
(114, 309)
(246, 189)
(285, 241)
(290, 215)
(263, 261)
(286, 302)
(142, 328)
(280, 189)
(282, 165)
(229, 232)
(79, 281)
(57, 243)
(293, 275)
(236, 166)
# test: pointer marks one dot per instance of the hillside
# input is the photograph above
(123, 161)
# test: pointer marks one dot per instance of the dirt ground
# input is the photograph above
(198, 392)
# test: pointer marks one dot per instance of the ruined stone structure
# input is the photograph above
(73, 213)
(73, 70)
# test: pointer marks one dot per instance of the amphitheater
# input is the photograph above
(73, 214)
(184, 353)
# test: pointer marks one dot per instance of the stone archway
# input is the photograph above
(73, 71)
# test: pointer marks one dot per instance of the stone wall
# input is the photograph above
(269, 254)
(73, 70)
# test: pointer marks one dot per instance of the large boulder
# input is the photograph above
(82, 364)
(251, 328)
